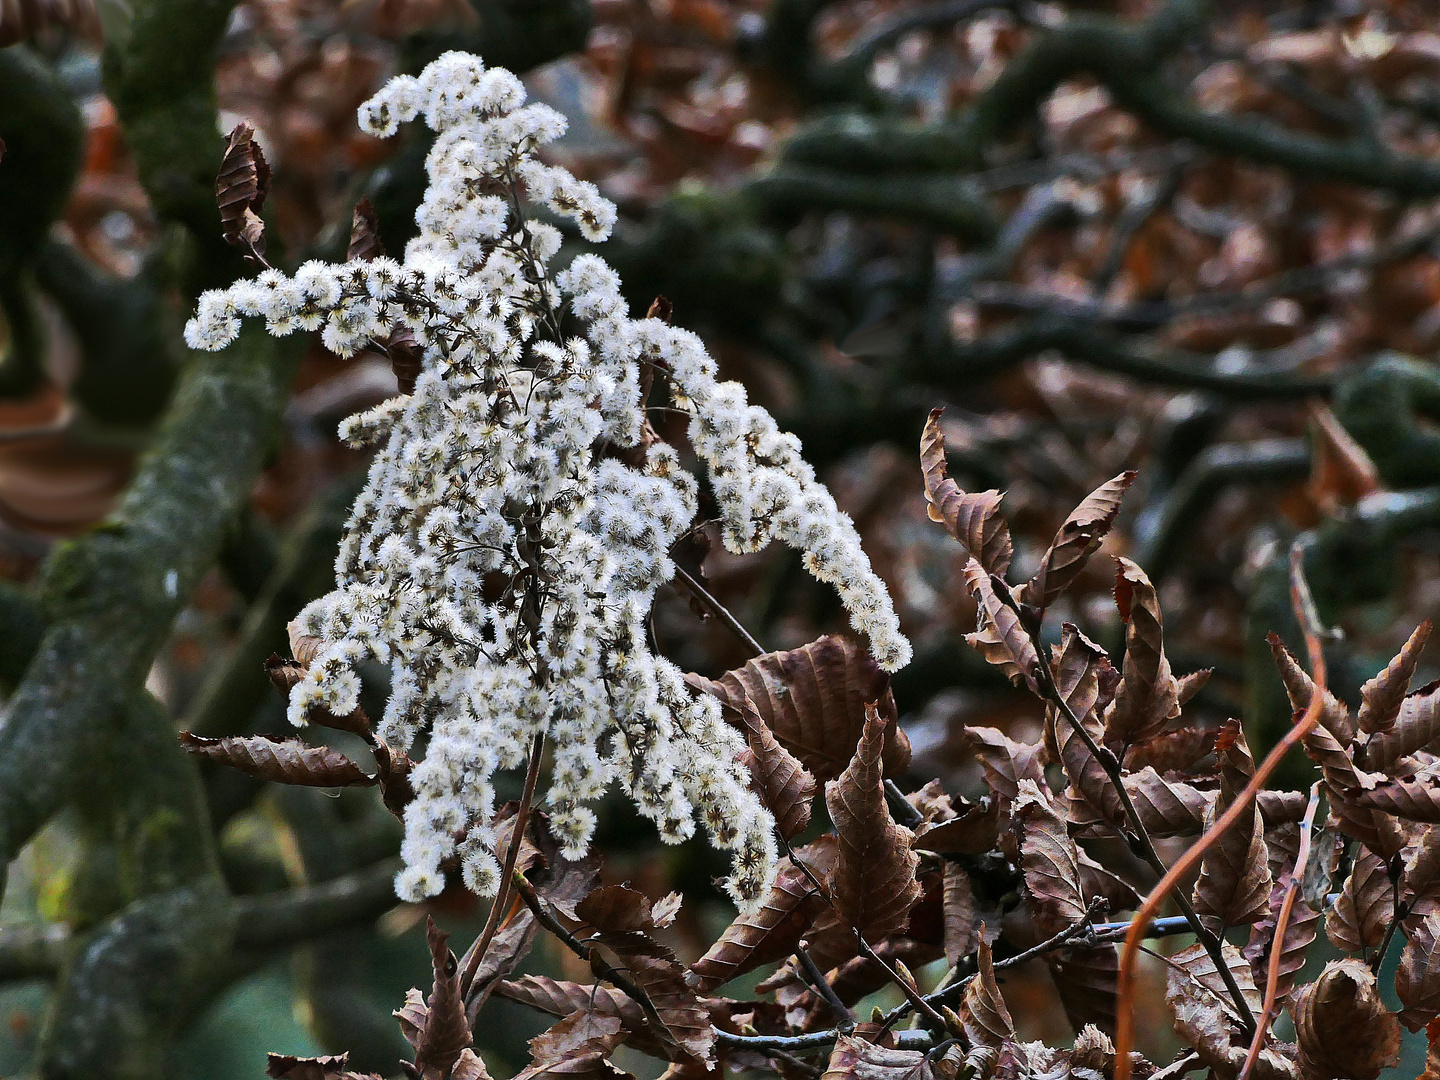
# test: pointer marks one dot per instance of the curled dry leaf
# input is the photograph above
(1087, 980)
(365, 242)
(982, 1010)
(874, 883)
(285, 761)
(445, 1033)
(1382, 697)
(1341, 473)
(1234, 884)
(972, 519)
(1416, 728)
(1004, 761)
(1166, 808)
(1078, 539)
(1341, 1026)
(813, 700)
(241, 188)
(999, 637)
(1049, 861)
(775, 928)
(1334, 716)
(785, 786)
(1364, 907)
(561, 998)
(1082, 671)
(1205, 1015)
(972, 833)
(1420, 877)
(1173, 751)
(1413, 798)
(961, 932)
(578, 1046)
(1148, 697)
(1417, 982)
(855, 1058)
(328, 1067)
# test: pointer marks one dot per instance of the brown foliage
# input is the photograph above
(285, 761)
(974, 520)
(1341, 1026)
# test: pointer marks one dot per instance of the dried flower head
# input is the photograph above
(501, 559)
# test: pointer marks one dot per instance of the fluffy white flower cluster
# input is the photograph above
(504, 556)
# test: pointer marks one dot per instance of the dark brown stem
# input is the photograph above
(476, 953)
(717, 609)
(912, 993)
(822, 987)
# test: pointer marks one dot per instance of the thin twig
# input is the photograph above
(822, 987)
(476, 953)
(911, 992)
(717, 609)
(1282, 925)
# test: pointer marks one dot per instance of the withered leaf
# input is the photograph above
(561, 998)
(1420, 877)
(1414, 798)
(685, 1018)
(1300, 934)
(329, 1067)
(972, 833)
(446, 1032)
(365, 242)
(616, 909)
(1095, 880)
(1341, 472)
(999, 637)
(1205, 1015)
(1078, 539)
(1382, 696)
(1005, 762)
(285, 761)
(241, 187)
(874, 884)
(1078, 664)
(813, 700)
(972, 519)
(1417, 982)
(1364, 907)
(1149, 694)
(773, 930)
(785, 786)
(1234, 884)
(1416, 728)
(982, 1010)
(858, 1059)
(1172, 751)
(577, 1046)
(1341, 1026)
(1334, 716)
(1087, 980)
(1049, 862)
(961, 932)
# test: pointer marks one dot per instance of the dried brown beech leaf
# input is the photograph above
(1432, 1051)
(560, 999)
(411, 1016)
(856, 1058)
(773, 930)
(1166, 807)
(1420, 878)
(962, 933)
(1334, 716)
(240, 189)
(1192, 684)
(1149, 694)
(1005, 762)
(330, 1067)
(1341, 473)
(1078, 666)
(576, 1047)
(1364, 908)
(1341, 1026)
(1417, 728)
(1417, 982)
(982, 1010)
(1234, 884)
(784, 785)
(365, 242)
(998, 635)
(1300, 934)
(1278, 807)
(1095, 880)
(1172, 751)
(1414, 798)
(874, 885)
(972, 833)
(1049, 862)
(1346, 783)
(685, 1018)
(1382, 697)
(285, 761)
(616, 909)
(972, 519)
(446, 1032)
(813, 699)
(1078, 539)
(1086, 980)
(1205, 1016)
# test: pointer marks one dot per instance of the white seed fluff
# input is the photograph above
(502, 559)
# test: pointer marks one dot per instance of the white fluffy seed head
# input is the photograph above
(498, 562)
